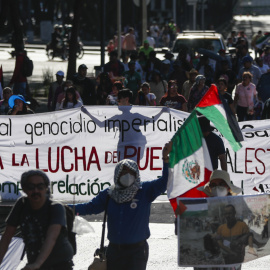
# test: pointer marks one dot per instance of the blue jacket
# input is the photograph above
(128, 222)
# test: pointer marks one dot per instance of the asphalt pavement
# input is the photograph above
(162, 250)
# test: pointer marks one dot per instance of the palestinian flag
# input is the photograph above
(260, 42)
(193, 207)
(216, 109)
(190, 164)
(1, 82)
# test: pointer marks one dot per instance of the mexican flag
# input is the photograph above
(216, 109)
(190, 164)
(263, 40)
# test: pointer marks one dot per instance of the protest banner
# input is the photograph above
(79, 148)
(221, 231)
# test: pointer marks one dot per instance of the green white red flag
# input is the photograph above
(216, 109)
(190, 164)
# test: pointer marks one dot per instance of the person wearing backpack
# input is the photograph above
(43, 225)
(18, 81)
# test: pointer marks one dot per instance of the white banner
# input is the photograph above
(78, 149)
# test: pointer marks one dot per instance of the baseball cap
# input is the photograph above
(83, 66)
(247, 58)
(12, 99)
(146, 41)
(60, 73)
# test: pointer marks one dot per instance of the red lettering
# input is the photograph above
(115, 158)
(13, 161)
(146, 161)
(83, 158)
(50, 160)
(63, 158)
(260, 149)
(37, 159)
(24, 160)
(1, 164)
(90, 161)
(246, 161)
(126, 155)
(154, 157)
(108, 155)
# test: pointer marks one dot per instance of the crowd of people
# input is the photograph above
(145, 80)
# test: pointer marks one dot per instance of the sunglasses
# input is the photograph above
(40, 186)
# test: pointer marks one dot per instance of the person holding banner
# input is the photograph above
(43, 226)
(128, 204)
(233, 233)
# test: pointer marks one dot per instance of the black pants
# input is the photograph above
(67, 265)
(242, 114)
(131, 257)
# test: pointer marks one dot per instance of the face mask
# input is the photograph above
(219, 192)
(127, 180)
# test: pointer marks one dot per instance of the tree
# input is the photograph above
(73, 43)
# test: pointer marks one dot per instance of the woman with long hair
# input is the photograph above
(172, 99)
(70, 101)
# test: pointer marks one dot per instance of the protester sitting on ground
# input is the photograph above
(197, 91)
(128, 204)
(112, 99)
(245, 94)
(172, 99)
(157, 85)
(18, 105)
(222, 88)
(144, 96)
(4, 106)
(70, 101)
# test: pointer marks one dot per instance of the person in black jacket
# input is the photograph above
(85, 86)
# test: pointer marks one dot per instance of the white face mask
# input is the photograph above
(219, 191)
(127, 180)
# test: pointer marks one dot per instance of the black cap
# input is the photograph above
(83, 66)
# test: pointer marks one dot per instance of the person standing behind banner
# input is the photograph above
(129, 202)
(214, 144)
(18, 105)
(43, 226)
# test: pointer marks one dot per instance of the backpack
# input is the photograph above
(27, 67)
